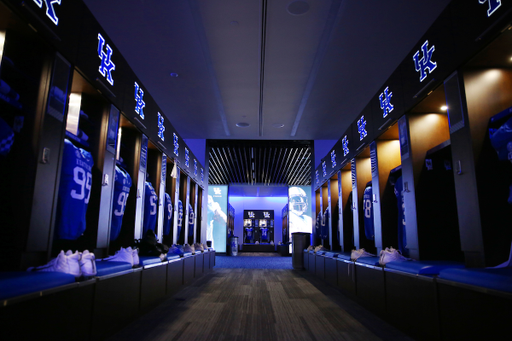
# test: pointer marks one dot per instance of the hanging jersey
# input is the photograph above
(248, 233)
(122, 184)
(74, 191)
(318, 225)
(150, 208)
(180, 217)
(402, 238)
(167, 215)
(325, 224)
(191, 221)
(369, 230)
(264, 233)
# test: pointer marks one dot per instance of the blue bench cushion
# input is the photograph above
(429, 268)
(170, 256)
(344, 255)
(14, 284)
(187, 254)
(147, 260)
(369, 260)
(110, 267)
(331, 254)
(320, 253)
(496, 279)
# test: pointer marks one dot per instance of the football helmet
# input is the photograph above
(298, 200)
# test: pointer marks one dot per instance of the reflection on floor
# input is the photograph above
(252, 304)
(250, 261)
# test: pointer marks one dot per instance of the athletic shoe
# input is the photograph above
(73, 260)
(198, 247)
(57, 264)
(257, 242)
(135, 255)
(391, 255)
(356, 254)
(271, 242)
(310, 248)
(88, 264)
(188, 248)
(123, 255)
(320, 248)
(176, 250)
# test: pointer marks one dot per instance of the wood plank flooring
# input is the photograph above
(256, 304)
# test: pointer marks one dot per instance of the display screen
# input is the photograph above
(216, 229)
(299, 210)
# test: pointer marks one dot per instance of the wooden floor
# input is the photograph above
(254, 304)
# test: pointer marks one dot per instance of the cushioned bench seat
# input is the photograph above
(331, 255)
(14, 284)
(110, 267)
(187, 254)
(149, 260)
(320, 253)
(368, 261)
(427, 268)
(344, 255)
(171, 256)
(496, 279)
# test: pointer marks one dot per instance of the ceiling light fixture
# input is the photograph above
(242, 124)
(278, 125)
(298, 7)
(173, 74)
(444, 108)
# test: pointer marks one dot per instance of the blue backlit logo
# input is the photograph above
(50, 11)
(324, 168)
(385, 102)
(493, 5)
(217, 191)
(361, 128)
(202, 175)
(161, 127)
(187, 158)
(195, 167)
(317, 176)
(344, 144)
(176, 144)
(266, 215)
(333, 158)
(139, 99)
(425, 63)
(107, 66)
(251, 214)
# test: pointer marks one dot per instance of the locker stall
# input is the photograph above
(192, 221)
(170, 205)
(347, 221)
(152, 190)
(182, 211)
(362, 210)
(316, 237)
(428, 168)
(325, 227)
(335, 212)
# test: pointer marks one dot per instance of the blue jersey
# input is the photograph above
(248, 233)
(150, 208)
(402, 237)
(180, 217)
(318, 225)
(191, 221)
(324, 229)
(167, 215)
(264, 233)
(122, 184)
(74, 191)
(369, 230)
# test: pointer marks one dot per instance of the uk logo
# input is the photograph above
(187, 158)
(251, 215)
(161, 127)
(176, 144)
(361, 128)
(425, 63)
(317, 176)
(217, 191)
(266, 215)
(493, 5)
(333, 158)
(107, 66)
(50, 11)
(139, 94)
(195, 167)
(344, 144)
(324, 168)
(202, 175)
(385, 102)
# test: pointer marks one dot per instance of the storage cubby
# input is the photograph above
(364, 211)
(334, 213)
(183, 194)
(325, 227)
(152, 190)
(347, 226)
(170, 205)
(317, 218)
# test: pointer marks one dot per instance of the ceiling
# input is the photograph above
(288, 76)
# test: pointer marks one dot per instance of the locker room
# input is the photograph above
(105, 191)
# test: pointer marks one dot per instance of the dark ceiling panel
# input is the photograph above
(260, 162)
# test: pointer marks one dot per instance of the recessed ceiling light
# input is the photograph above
(174, 74)
(242, 124)
(444, 108)
(277, 125)
(298, 7)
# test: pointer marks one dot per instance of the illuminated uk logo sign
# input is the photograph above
(107, 66)
(251, 214)
(317, 176)
(266, 215)
(361, 128)
(425, 63)
(50, 11)
(161, 127)
(195, 167)
(187, 158)
(344, 144)
(324, 168)
(202, 175)
(385, 102)
(139, 99)
(217, 191)
(493, 5)
(176, 144)
(333, 158)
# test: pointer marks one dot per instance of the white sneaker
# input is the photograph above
(58, 264)
(135, 255)
(257, 243)
(320, 248)
(123, 255)
(188, 248)
(356, 254)
(73, 260)
(391, 255)
(310, 248)
(272, 242)
(88, 264)
(198, 247)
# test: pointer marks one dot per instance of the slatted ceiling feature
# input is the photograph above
(260, 162)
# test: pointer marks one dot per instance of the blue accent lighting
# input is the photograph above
(176, 144)
(361, 128)
(493, 5)
(161, 127)
(385, 102)
(139, 99)
(107, 66)
(425, 63)
(344, 143)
